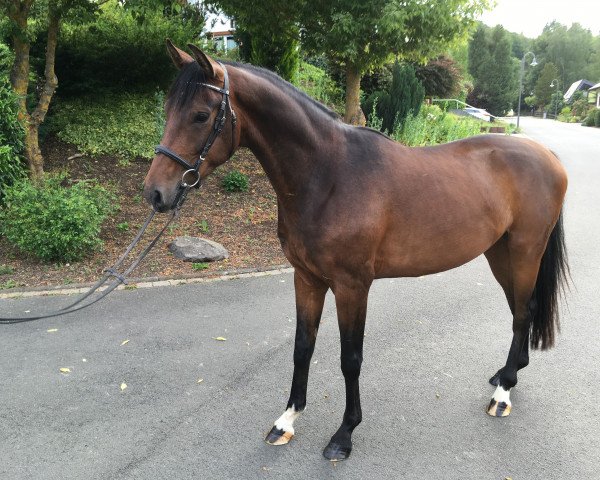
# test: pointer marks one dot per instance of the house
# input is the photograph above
(576, 86)
(221, 29)
(594, 95)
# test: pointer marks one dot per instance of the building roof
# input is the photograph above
(575, 86)
(595, 87)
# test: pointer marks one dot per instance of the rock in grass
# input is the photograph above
(192, 249)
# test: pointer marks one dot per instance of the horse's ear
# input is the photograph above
(210, 67)
(179, 57)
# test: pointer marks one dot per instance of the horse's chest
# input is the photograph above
(299, 245)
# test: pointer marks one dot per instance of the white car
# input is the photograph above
(479, 113)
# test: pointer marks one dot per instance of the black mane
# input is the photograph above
(187, 85)
(285, 86)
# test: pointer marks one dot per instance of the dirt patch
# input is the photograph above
(245, 223)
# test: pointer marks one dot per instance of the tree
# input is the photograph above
(24, 15)
(494, 70)
(440, 77)
(543, 90)
(270, 28)
(359, 36)
(570, 49)
(404, 97)
(19, 12)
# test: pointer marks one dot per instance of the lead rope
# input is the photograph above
(121, 278)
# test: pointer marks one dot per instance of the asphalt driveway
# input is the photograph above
(431, 344)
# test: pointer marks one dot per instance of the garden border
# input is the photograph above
(149, 282)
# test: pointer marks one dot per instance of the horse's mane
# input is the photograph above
(186, 86)
(286, 86)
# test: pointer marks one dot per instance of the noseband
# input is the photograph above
(217, 128)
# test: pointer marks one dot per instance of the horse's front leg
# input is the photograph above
(310, 296)
(351, 306)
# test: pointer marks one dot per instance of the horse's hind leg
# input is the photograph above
(499, 261)
(310, 296)
(516, 269)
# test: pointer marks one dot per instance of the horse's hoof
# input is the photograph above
(499, 409)
(334, 452)
(500, 404)
(278, 437)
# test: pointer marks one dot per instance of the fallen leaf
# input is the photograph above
(52, 330)
(200, 380)
(65, 370)
(124, 342)
(220, 339)
(437, 395)
(123, 386)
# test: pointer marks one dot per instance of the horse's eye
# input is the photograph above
(201, 117)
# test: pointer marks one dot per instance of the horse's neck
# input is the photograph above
(290, 137)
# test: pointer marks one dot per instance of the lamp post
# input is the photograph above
(556, 97)
(533, 64)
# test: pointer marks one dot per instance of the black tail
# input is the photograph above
(551, 281)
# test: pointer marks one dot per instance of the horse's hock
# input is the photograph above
(191, 249)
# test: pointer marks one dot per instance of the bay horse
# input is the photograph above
(354, 206)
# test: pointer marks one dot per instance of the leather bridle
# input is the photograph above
(216, 130)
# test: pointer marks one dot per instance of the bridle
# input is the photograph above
(118, 271)
(217, 128)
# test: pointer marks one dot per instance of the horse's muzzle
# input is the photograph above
(158, 200)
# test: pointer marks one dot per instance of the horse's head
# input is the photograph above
(194, 109)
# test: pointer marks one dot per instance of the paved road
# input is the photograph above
(431, 345)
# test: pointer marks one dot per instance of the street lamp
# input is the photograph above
(533, 64)
(556, 97)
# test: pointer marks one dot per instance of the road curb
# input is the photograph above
(148, 283)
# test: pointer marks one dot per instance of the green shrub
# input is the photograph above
(235, 181)
(121, 49)
(6, 59)
(404, 97)
(275, 49)
(433, 126)
(125, 125)
(6, 270)
(579, 107)
(315, 82)
(11, 138)
(590, 119)
(54, 222)
(597, 118)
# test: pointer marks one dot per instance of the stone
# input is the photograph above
(192, 249)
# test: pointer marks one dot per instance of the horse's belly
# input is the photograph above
(422, 251)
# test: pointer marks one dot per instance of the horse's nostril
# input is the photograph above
(157, 200)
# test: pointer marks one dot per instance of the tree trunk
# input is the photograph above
(19, 74)
(20, 80)
(33, 152)
(353, 114)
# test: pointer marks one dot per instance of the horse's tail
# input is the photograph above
(552, 280)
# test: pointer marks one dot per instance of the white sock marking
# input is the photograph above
(286, 421)
(501, 395)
